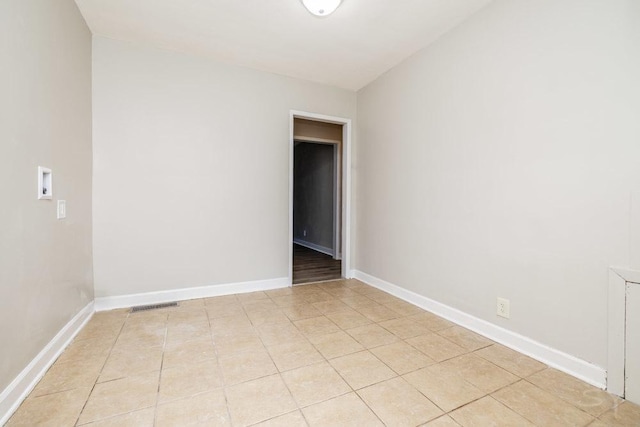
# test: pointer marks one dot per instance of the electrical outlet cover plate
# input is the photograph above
(503, 308)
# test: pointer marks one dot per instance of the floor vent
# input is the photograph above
(153, 306)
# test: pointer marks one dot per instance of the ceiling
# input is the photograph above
(348, 49)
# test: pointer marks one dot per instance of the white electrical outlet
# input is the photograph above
(503, 308)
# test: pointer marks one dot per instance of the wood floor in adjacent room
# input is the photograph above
(338, 353)
(311, 266)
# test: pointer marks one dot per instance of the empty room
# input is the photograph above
(320, 213)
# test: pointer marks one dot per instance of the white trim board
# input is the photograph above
(588, 372)
(318, 248)
(12, 396)
(131, 300)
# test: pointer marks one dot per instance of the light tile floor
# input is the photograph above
(334, 353)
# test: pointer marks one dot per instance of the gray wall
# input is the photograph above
(45, 120)
(199, 157)
(313, 194)
(501, 161)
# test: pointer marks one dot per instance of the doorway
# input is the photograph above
(316, 204)
(319, 198)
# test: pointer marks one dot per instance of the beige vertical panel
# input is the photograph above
(632, 356)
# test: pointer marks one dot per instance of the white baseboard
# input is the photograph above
(588, 372)
(323, 249)
(126, 301)
(12, 396)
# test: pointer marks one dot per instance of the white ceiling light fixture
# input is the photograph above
(321, 7)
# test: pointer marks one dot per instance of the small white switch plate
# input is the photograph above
(503, 308)
(62, 209)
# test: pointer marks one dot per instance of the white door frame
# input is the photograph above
(345, 247)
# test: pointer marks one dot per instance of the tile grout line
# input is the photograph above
(559, 398)
(325, 360)
(95, 383)
(164, 346)
(298, 408)
(215, 350)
